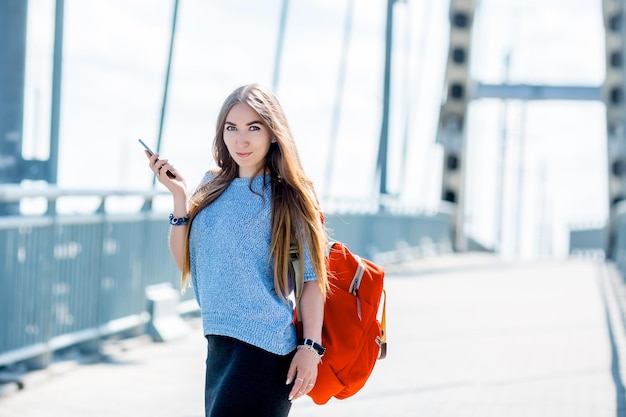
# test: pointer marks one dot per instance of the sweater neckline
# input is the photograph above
(255, 179)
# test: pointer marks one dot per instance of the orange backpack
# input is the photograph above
(353, 336)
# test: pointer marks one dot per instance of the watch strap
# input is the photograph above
(313, 344)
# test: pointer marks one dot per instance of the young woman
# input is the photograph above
(233, 236)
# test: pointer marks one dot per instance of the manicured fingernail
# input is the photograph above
(288, 382)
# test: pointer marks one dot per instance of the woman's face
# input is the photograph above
(247, 139)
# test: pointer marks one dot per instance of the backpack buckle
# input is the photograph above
(382, 345)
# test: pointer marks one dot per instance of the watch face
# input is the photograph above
(316, 346)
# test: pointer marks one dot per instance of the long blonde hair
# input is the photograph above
(296, 214)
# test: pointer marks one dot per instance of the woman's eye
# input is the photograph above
(230, 128)
(255, 128)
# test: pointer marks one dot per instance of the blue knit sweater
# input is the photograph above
(232, 273)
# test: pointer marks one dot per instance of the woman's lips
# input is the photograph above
(244, 155)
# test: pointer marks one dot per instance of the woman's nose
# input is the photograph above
(242, 139)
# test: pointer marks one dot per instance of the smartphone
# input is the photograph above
(168, 173)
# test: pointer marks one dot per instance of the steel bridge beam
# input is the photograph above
(13, 16)
(537, 92)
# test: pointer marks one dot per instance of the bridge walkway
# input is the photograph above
(469, 335)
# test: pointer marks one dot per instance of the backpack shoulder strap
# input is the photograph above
(383, 327)
(296, 272)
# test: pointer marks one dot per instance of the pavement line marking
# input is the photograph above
(614, 320)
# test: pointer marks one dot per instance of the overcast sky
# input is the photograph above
(114, 65)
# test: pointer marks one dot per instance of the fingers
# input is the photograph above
(304, 369)
(291, 374)
(301, 387)
(153, 160)
(162, 166)
(159, 166)
(168, 176)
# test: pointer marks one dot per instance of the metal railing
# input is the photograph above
(588, 241)
(72, 279)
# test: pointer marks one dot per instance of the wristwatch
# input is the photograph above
(314, 345)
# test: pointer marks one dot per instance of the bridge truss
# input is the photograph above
(461, 89)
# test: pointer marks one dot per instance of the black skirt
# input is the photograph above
(244, 380)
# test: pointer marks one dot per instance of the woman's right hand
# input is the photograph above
(160, 167)
(178, 187)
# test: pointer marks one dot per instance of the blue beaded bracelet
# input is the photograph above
(178, 221)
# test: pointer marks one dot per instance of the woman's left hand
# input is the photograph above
(303, 373)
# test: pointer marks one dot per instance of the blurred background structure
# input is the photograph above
(428, 127)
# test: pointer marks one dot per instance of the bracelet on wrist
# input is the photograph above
(179, 221)
(312, 351)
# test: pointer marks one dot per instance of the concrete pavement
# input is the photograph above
(468, 335)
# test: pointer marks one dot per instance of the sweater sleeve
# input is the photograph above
(309, 272)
